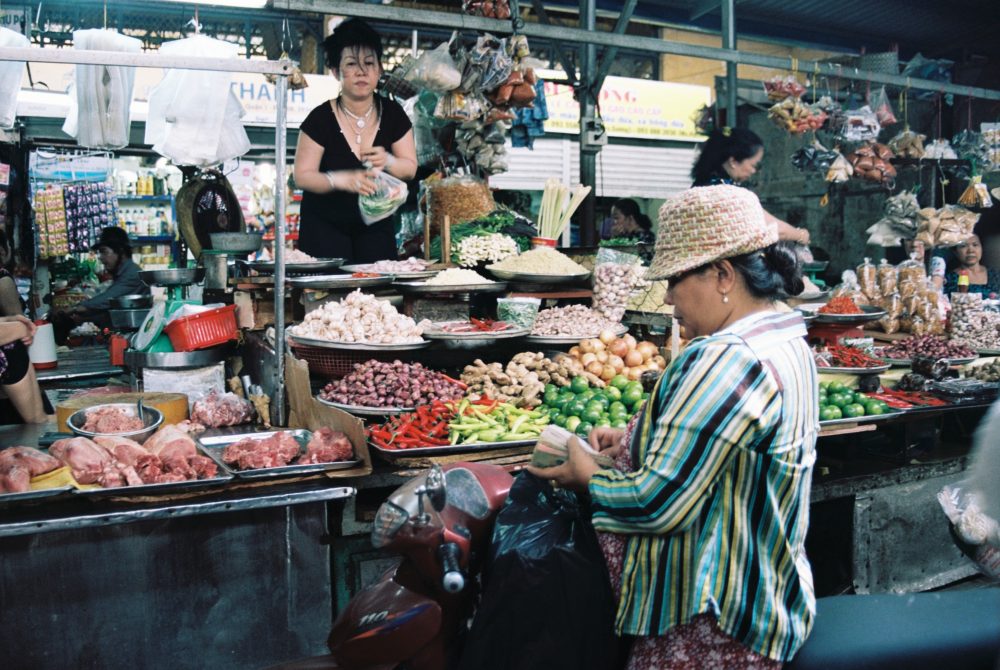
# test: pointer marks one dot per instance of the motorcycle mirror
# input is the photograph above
(435, 488)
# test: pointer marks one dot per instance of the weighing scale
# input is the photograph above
(150, 337)
(813, 269)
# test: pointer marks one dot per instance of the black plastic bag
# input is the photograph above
(547, 602)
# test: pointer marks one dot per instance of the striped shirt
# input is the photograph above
(717, 511)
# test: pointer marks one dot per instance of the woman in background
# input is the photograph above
(627, 220)
(982, 280)
(731, 156)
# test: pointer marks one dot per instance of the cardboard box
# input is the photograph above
(307, 412)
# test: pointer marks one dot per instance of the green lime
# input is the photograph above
(835, 387)
(603, 421)
(560, 420)
(841, 400)
(617, 408)
(854, 410)
(572, 423)
(874, 408)
(633, 385)
(579, 384)
(829, 413)
(583, 430)
(860, 398)
(619, 423)
(613, 393)
(591, 415)
(575, 408)
(619, 382)
(550, 398)
(824, 387)
(632, 396)
(549, 388)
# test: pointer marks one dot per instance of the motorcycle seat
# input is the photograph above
(959, 630)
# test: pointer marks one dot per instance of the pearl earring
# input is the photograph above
(725, 298)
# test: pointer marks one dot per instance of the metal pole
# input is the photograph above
(280, 159)
(729, 42)
(588, 153)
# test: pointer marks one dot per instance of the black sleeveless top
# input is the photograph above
(337, 212)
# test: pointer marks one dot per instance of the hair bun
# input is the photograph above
(782, 259)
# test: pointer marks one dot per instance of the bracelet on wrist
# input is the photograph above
(330, 180)
(390, 160)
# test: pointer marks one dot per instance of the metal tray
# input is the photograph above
(855, 371)
(534, 278)
(358, 346)
(435, 332)
(569, 339)
(217, 444)
(224, 475)
(177, 359)
(988, 352)
(819, 295)
(907, 362)
(319, 265)
(39, 494)
(871, 313)
(172, 277)
(128, 319)
(869, 418)
(962, 389)
(338, 281)
(367, 267)
(393, 454)
(417, 287)
(361, 410)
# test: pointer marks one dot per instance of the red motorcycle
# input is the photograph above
(440, 521)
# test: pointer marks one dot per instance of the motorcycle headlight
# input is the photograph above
(388, 521)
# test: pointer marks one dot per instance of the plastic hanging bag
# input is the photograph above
(546, 588)
(10, 77)
(436, 71)
(389, 195)
(100, 107)
(883, 108)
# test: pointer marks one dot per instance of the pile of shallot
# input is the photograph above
(396, 384)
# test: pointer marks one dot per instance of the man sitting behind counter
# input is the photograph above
(114, 250)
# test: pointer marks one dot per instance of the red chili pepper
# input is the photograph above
(840, 305)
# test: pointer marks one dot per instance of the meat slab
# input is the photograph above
(273, 451)
(327, 446)
(19, 464)
(169, 455)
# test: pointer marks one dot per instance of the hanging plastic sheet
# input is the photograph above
(10, 77)
(194, 119)
(100, 104)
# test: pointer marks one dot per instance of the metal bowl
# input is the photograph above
(237, 243)
(172, 277)
(151, 419)
(133, 301)
(127, 319)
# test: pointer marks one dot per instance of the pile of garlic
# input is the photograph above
(359, 317)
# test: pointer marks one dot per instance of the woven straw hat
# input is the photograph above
(705, 224)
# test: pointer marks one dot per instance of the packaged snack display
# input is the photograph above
(886, 276)
(868, 280)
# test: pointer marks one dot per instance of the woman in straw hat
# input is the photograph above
(704, 519)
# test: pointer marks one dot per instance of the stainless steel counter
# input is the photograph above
(81, 363)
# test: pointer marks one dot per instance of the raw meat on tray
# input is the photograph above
(326, 446)
(19, 464)
(111, 420)
(227, 409)
(273, 451)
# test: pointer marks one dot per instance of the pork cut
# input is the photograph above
(273, 451)
(34, 461)
(227, 409)
(170, 442)
(90, 463)
(327, 446)
(15, 479)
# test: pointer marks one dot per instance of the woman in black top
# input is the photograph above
(342, 145)
(731, 156)
(627, 220)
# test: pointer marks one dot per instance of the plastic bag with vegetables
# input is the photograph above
(390, 193)
(861, 125)
(908, 144)
(883, 108)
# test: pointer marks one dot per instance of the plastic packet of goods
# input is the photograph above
(196, 383)
(389, 195)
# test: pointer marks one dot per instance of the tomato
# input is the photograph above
(551, 388)
(551, 398)
(841, 400)
(591, 415)
(572, 423)
(854, 410)
(860, 398)
(603, 422)
(619, 382)
(560, 420)
(579, 384)
(599, 401)
(633, 385)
